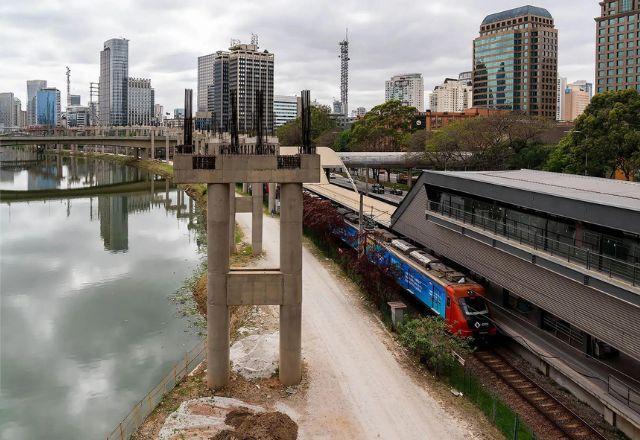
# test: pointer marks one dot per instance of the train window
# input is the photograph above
(448, 302)
(473, 305)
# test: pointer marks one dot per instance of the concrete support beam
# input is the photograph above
(272, 197)
(256, 218)
(232, 218)
(249, 287)
(291, 267)
(153, 144)
(244, 204)
(218, 200)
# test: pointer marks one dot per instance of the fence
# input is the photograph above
(624, 393)
(503, 417)
(132, 421)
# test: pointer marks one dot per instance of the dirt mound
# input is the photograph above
(258, 426)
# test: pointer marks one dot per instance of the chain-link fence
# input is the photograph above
(503, 417)
(142, 409)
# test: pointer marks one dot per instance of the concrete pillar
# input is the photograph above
(366, 179)
(272, 197)
(166, 145)
(153, 144)
(232, 218)
(245, 188)
(217, 269)
(167, 200)
(291, 267)
(256, 218)
(103, 149)
(410, 177)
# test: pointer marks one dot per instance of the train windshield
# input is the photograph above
(474, 305)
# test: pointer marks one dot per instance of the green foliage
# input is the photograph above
(606, 138)
(499, 141)
(430, 339)
(387, 127)
(342, 141)
(321, 122)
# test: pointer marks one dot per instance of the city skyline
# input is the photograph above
(434, 39)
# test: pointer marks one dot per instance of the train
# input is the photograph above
(449, 294)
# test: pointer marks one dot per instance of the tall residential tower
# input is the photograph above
(515, 62)
(205, 79)
(114, 72)
(407, 88)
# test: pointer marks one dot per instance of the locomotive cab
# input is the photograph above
(468, 311)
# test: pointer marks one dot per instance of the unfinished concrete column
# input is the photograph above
(218, 196)
(245, 187)
(256, 218)
(153, 144)
(272, 197)
(291, 268)
(232, 218)
(166, 145)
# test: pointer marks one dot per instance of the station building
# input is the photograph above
(561, 257)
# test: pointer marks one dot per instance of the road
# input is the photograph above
(356, 387)
(386, 197)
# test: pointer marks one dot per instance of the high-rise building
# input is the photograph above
(466, 77)
(17, 112)
(337, 107)
(360, 112)
(78, 116)
(178, 113)
(48, 107)
(245, 70)
(285, 109)
(205, 79)
(574, 99)
(451, 96)
(218, 91)
(74, 99)
(114, 74)
(618, 45)
(7, 110)
(407, 88)
(158, 113)
(515, 62)
(560, 101)
(140, 101)
(588, 87)
(32, 90)
(251, 70)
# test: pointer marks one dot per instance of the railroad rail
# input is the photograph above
(568, 422)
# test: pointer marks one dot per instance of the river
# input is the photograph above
(87, 323)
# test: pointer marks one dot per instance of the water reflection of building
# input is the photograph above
(114, 224)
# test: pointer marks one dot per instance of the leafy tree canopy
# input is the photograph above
(387, 127)
(321, 122)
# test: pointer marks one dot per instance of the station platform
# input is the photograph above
(377, 210)
(608, 385)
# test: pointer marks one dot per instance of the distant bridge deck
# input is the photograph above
(118, 141)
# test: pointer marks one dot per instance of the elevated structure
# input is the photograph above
(344, 75)
(255, 164)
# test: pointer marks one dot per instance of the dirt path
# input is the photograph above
(356, 387)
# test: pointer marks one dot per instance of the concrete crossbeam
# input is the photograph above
(254, 287)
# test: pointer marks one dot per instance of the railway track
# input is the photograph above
(568, 422)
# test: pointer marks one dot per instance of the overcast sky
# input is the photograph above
(433, 37)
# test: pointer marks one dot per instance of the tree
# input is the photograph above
(321, 122)
(606, 138)
(387, 127)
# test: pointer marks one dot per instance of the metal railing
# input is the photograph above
(132, 421)
(513, 230)
(249, 150)
(184, 149)
(624, 393)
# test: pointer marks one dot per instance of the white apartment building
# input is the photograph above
(140, 101)
(285, 109)
(407, 88)
(561, 86)
(205, 79)
(453, 96)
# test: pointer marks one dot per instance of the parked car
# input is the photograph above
(396, 191)
(377, 188)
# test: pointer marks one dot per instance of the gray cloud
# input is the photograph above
(386, 38)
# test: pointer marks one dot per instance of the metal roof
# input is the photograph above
(610, 203)
(516, 12)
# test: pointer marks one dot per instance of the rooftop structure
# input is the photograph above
(515, 13)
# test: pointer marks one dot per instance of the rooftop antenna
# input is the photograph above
(254, 40)
(344, 73)
(234, 42)
(68, 86)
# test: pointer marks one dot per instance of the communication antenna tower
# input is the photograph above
(68, 86)
(234, 42)
(344, 73)
(254, 40)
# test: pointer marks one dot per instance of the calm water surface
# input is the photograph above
(87, 324)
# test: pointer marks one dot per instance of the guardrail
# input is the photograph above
(132, 421)
(511, 230)
(624, 393)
